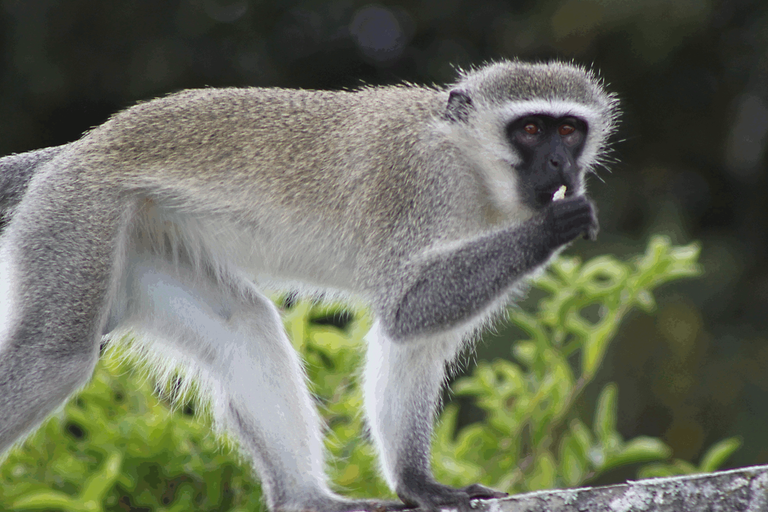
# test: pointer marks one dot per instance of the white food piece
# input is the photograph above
(559, 194)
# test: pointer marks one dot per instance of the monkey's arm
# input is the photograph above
(453, 287)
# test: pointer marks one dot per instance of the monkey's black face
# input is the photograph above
(549, 148)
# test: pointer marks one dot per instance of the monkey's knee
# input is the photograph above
(47, 371)
(34, 382)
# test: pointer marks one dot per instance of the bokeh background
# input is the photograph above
(692, 76)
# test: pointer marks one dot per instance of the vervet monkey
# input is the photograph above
(430, 204)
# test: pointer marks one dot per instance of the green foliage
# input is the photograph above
(712, 459)
(532, 438)
(116, 446)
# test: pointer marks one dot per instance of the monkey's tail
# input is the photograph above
(16, 171)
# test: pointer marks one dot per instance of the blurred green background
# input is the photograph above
(692, 76)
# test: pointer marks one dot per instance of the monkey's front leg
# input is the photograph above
(402, 388)
(414, 340)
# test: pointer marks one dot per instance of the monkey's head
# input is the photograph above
(542, 126)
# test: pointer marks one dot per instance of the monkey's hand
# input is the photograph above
(570, 217)
(430, 496)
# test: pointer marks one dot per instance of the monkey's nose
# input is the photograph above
(559, 163)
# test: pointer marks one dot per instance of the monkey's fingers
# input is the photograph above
(570, 218)
(370, 506)
(591, 233)
(481, 492)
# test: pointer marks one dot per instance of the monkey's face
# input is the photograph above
(549, 149)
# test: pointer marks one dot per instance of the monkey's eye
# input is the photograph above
(566, 129)
(531, 129)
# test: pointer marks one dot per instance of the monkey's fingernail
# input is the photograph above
(559, 194)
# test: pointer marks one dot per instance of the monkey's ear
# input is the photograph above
(459, 105)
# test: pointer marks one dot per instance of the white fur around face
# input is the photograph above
(598, 127)
(485, 143)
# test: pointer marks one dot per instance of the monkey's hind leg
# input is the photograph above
(56, 268)
(234, 337)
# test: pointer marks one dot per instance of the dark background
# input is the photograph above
(692, 76)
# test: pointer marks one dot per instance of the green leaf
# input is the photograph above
(530, 324)
(645, 301)
(573, 463)
(184, 499)
(566, 267)
(46, 500)
(97, 485)
(605, 415)
(525, 352)
(658, 470)
(596, 344)
(603, 276)
(544, 472)
(639, 449)
(718, 454)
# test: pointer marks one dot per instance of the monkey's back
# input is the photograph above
(319, 175)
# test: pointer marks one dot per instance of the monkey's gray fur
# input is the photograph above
(430, 204)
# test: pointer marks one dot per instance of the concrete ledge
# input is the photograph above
(742, 490)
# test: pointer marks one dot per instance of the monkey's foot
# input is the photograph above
(433, 497)
(374, 506)
(345, 505)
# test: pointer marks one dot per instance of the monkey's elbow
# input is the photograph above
(399, 324)
(416, 315)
